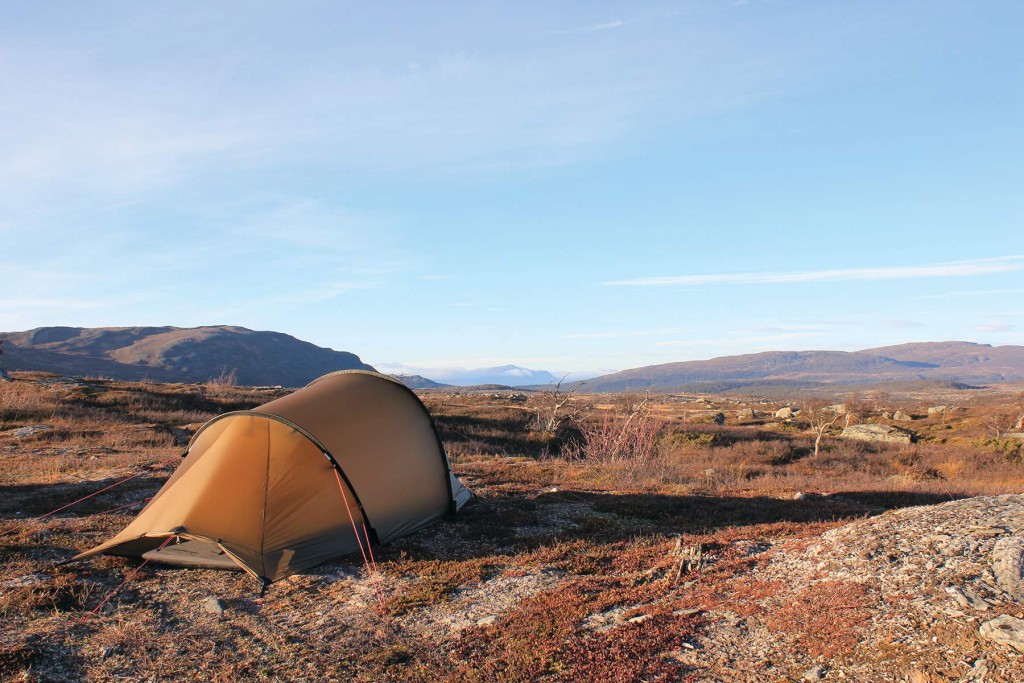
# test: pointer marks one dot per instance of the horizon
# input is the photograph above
(572, 188)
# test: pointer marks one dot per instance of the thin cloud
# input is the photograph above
(737, 341)
(1004, 264)
(588, 29)
(994, 327)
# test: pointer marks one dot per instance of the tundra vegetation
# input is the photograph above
(611, 537)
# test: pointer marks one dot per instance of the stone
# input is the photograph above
(815, 673)
(489, 620)
(27, 580)
(31, 430)
(1008, 566)
(718, 418)
(1005, 630)
(745, 414)
(799, 495)
(877, 432)
(900, 416)
(837, 409)
(784, 413)
(213, 606)
(937, 410)
(639, 619)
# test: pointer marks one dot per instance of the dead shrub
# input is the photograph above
(625, 434)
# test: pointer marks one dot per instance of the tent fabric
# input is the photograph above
(258, 489)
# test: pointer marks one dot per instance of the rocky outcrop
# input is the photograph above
(877, 432)
(1008, 566)
(900, 416)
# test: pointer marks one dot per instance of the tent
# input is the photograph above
(350, 459)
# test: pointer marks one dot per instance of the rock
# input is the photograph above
(718, 418)
(837, 409)
(918, 676)
(815, 673)
(799, 495)
(967, 598)
(877, 432)
(489, 620)
(1008, 566)
(30, 430)
(639, 619)
(745, 414)
(1005, 630)
(887, 415)
(937, 410)
(213, 606)
(784, 413)
(27, 580)
(900, 416)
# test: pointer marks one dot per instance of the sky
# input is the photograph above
(568, 186)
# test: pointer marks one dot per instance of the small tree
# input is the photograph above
(556, 409)
(820, 415)
(857, 408)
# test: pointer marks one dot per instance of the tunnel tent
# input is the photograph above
(296, 482)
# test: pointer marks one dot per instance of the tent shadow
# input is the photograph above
(24, 501)
(514, 523)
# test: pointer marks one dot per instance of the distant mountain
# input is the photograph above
(419, 382)
(507, 375)
(925, 361)
(175, 354)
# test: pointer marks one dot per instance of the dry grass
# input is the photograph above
(598, 525)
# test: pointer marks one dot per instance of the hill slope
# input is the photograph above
(175, 354)
(928, 361)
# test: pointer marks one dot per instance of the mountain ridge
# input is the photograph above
(918, 361)
(175, 354)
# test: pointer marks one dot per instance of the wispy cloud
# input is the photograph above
(737, 341)
(1004, 264)
(587, 29)
(994, 327)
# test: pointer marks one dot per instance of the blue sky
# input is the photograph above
(561, 185)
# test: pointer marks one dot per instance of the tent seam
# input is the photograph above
(266, 497)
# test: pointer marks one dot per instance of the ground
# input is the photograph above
(708, 552)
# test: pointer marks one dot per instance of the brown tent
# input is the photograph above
(266, 490)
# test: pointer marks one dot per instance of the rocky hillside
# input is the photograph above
(928, 361)
(175, 354)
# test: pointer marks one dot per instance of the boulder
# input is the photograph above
(837, 409)
(745, 414)
(784, 413)
(900, 416)
(877, 432)
(937, 410)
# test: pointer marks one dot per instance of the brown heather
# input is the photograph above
(569, 565)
